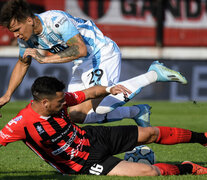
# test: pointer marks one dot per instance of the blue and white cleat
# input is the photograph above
(165, 74)
(143, 117)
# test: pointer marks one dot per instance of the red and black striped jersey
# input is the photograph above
(55, 139)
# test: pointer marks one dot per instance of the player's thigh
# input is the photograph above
(107, 70)
(86, 75)
(75, 84)
(111, 67)
(78, 113)
(107, 73)
(96, 102)
(126, 168)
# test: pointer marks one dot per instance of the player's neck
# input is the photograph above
(37, 107)
(37, 26)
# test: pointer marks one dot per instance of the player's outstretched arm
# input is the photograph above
(102, 91)
(76, 49)
(17, 76)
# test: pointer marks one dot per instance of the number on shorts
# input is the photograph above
(97, 73)
(96, 169)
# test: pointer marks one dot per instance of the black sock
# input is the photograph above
(185, 168)
(198, 138)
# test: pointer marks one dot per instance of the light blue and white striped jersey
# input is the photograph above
(59, 27)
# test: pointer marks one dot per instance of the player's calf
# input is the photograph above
(199, 138)
(172, 135)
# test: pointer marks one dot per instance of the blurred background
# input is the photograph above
(171, 31)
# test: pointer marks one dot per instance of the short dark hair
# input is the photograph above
(46, 87)
(15, 9)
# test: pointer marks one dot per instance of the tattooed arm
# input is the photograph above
(16, 78)
(76, 49)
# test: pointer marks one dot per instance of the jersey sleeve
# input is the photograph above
(64, 26)
(13, 131)
(74, 98)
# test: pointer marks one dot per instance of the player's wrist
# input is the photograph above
(7, 95)
(108, 89)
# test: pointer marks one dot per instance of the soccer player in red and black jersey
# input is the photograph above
(45, 128)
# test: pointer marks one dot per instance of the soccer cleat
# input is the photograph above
(166, 74)
(143, 117)
(197, 169)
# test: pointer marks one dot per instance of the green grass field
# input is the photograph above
(18, 162)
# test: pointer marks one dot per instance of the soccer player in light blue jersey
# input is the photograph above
(97, 59)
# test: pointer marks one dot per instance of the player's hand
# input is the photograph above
(35, 54)
(120, 89)
(4, 100)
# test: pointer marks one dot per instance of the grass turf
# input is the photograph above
(18, 162)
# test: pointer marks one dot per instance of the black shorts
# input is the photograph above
(105, 142)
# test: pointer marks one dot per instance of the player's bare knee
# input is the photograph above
(150, 133)
(155, 171)
(149, 171)
(154, 133)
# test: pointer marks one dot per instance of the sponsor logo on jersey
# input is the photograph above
(74, 152)
(4, 136)
(7, 127)
(15, 120)
(76, 96)
(66, 145)
(52, 36)
(62, 20)
(62, 134)
(40, 129)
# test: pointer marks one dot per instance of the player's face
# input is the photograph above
(57, 103)
(22, 30)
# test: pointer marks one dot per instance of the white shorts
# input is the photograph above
(107, 73)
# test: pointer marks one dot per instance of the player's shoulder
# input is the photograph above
(19, 119)
(25, 111)
(55, 19)
(27, 115)
(54, 16)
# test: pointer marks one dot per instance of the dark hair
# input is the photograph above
(15, 9)
(46, 87)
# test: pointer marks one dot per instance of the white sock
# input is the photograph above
(135, 85)
(116, 115)
(140, 81)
